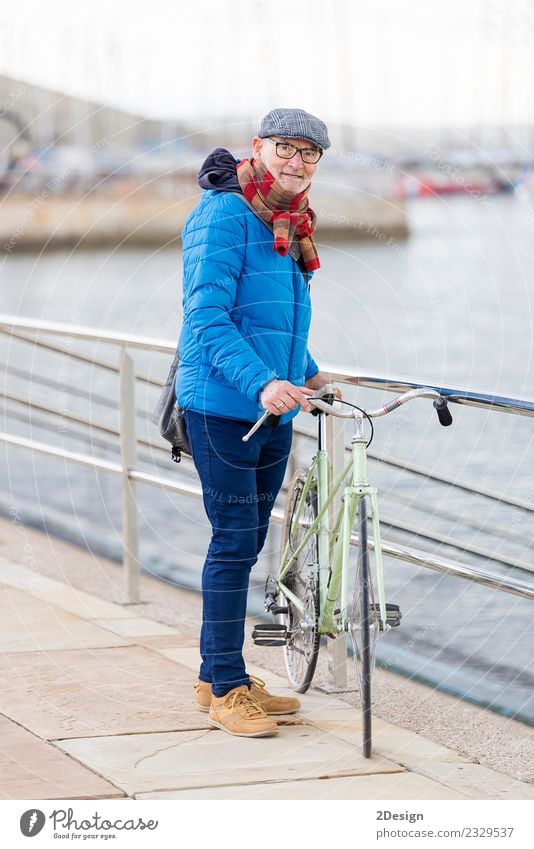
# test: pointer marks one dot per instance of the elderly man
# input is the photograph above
(248, 255)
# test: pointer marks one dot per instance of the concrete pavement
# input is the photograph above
(97, 702)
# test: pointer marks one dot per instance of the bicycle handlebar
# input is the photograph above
(440, 405)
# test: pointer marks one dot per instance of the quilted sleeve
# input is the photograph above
(311, 367)
(214, 251)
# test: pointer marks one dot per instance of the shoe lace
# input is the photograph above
(251, 707)
(257, 682)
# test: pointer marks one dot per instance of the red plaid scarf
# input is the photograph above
(289, 216)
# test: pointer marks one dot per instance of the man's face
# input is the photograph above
(294, 175)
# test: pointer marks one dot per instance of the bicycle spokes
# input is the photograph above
(299, 587)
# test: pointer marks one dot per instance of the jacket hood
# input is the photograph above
(218, 171)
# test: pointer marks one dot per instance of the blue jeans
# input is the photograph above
(240, 482)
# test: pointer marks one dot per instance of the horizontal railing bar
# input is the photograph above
(440, 564)
(418, 470)
(85, 358)
(493, 494)
(435, 536)
(460, 570)
(372, 380)
(507, 500)
(451, 516)
(167, 483)
(51, 450)
(75, 419)
(82, 436)
(70, 417)
(468, 397)
(75, 331)
(39, 405)
(43, 424)
(74, 391)
(407, 466)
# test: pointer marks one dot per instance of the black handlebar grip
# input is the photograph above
(444, 414)
(329, 399)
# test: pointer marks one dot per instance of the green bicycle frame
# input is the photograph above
(334, 541)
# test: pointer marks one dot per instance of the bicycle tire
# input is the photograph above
(302, 648)
(363, 627)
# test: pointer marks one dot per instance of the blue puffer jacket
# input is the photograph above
(247, 312)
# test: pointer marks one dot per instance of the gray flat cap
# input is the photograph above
(295, 124)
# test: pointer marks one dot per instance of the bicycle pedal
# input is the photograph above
(270, 634)
(393, 614)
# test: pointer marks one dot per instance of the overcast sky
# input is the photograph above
(374, 62)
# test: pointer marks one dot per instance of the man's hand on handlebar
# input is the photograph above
(279, 396)
(321, 379)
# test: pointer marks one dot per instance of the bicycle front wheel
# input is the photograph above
(363, 626)
(302, 580)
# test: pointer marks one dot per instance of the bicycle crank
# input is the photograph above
(271, 594)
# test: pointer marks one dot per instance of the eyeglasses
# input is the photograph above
(285, 150)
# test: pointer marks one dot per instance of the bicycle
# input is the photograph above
(310, 594)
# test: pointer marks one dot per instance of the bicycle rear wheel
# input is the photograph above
(363, 626)
(302, 579)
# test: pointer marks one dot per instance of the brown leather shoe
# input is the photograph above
(273, 705)
(239, 713)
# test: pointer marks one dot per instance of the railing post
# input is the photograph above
(130, 519)
(337, 649)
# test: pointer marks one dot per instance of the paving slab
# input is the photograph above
(29, 624)
(60, 594)
(142, 763)
(136, 626)
(475, 780)
(168, 641)
(420, 755)
(401, 785)
(97, 692)
(185, 655)
(391, 741)
(33, 769)
(114, 690)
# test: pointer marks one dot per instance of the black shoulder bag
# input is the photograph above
(169, 417)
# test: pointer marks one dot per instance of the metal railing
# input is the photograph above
(16, 327)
